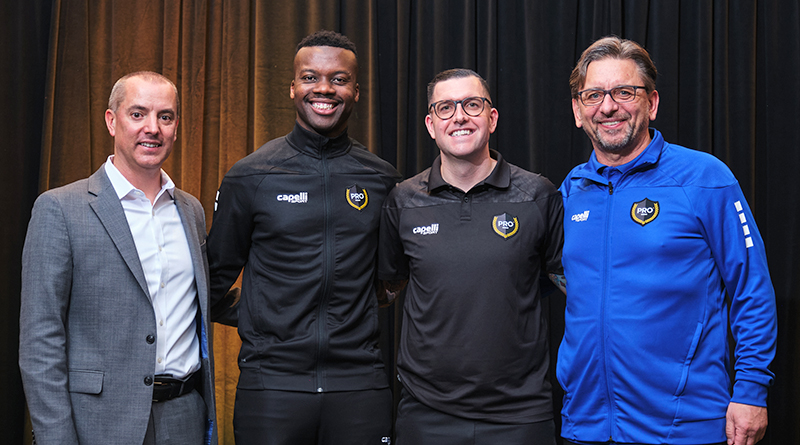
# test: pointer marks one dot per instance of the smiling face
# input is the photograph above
(144, 127)
(462, 136)
(619, 132)
(324, 88)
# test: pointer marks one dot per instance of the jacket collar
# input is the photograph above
(499, 178)
(650, 156)
(314, 144)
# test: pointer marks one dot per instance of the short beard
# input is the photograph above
(622, 146)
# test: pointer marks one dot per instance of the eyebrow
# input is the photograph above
(317, 72)
(142, 108)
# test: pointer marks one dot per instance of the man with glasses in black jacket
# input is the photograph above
(470, 236)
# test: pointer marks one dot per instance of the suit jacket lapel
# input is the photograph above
(193, 237)
(105, 203)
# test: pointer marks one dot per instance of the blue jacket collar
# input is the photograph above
(598, 172)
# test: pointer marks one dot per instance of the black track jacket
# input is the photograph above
(301, 216)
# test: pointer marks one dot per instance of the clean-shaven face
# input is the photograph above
(462, 136)
(324, 88)
(144, 126)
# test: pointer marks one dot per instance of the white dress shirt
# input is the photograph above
(164, 254)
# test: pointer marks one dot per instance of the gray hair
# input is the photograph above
(615, 48)
(118, 91)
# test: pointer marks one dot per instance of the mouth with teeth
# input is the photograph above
(149, 144)
(606, 122)
(323, 107)
(458, 133)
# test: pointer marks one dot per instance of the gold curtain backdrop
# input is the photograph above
(232, 64)
(723, 85)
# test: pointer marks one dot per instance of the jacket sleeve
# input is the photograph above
(47, 265)
(392, 261)
(739, 253)
(229, 245)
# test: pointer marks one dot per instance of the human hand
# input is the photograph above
(746, 424)
(387, 291)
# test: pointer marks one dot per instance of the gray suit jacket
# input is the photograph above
(86, 313)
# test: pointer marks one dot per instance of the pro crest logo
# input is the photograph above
(357, 197)
(645, 211)
(505, 225)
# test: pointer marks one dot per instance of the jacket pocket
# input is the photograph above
(687, 363)
(87, 382)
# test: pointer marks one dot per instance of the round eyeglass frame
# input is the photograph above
(434, 106)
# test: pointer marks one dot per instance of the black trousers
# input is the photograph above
(418, 424)
(268, 417)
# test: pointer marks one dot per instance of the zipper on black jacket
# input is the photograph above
(327, 276)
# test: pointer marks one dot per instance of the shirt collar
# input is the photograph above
(499, 178)
(123, 187)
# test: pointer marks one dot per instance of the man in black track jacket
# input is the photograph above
(300, 215)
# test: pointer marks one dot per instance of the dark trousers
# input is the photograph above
(180, 421)
(418, 424)
(267, 417)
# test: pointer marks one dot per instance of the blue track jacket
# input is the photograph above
(650, 249)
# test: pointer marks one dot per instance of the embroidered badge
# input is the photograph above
(505, 225)
(357, 197)
(644, 211)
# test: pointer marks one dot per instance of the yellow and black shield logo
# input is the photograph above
(505, 225)
(357, 197)
(644, 211)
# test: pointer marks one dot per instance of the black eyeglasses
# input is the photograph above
(621, 94)
(472, 106)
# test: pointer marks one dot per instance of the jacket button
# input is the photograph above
(148, 381)
(150, 339)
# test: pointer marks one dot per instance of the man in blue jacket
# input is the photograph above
(656, 236)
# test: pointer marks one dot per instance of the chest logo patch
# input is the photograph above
(297, 198)
(645, 211)
(357, 197)
(505, 225)
(432, 229)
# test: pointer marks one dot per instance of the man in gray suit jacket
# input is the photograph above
(114, 345)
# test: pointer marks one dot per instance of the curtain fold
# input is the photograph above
(727, 79)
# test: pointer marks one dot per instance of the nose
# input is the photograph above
(460, 115)
(151, 124)
(324, 87)
(608, 105)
